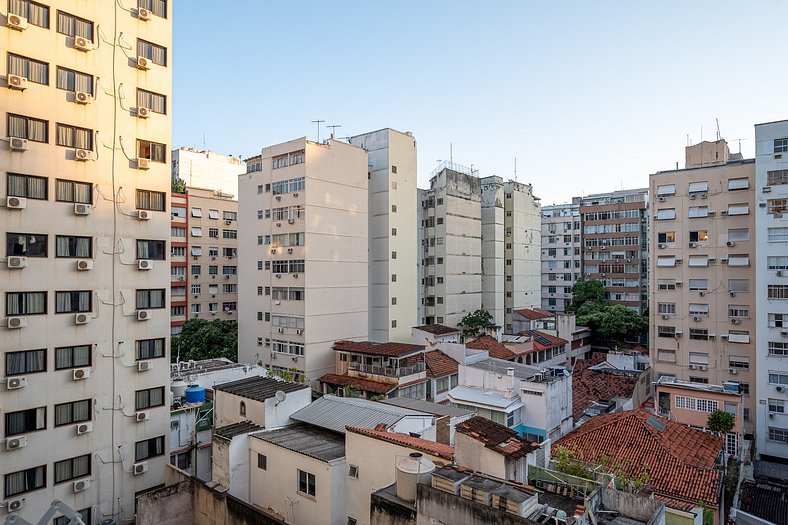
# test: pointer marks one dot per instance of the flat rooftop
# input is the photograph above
(318, 443)
(436, 409)
(499, 366)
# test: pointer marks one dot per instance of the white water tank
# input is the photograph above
(178, 388)
(412, 469)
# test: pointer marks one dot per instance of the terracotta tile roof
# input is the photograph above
(497, 437)
(372, 348)
(439, 364)
(424, 445)
(589, 386)
(367, 385)
(438, 329)
(534, 313)
(495, 348)
(679, 458)
(543, 341)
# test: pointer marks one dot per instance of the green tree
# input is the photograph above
(617, 322)
(586, 291)
(201, 339)
(476, 322)
(178, 185)
(720, 422)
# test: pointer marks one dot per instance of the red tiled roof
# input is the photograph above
(679, 458)
(589, 386)
(438, 329)
(367, 385)
(537, 336)
(495, 348)
(534, 313)
(439, 364)
(497, 437)
(372, 348)
(424, 445)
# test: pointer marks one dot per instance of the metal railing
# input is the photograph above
(388, 371)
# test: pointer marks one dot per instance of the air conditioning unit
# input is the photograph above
(712, 259)
(724, 337)
(724, 260)
(693, 196)
(711, 213)
(724, 212)
(780, 273)
(289, 250)
(82, 209)
(291, 221)
(734, 320)
(143, 112)
(16, 203)
(14, 383)
(143, 164)
(665, 316)
(144, 264)
(84, 265)
(227, 276)
(82, 318)
(280, 330)
(82, 44)
(18, 144)
(228, 221)
(84, 428)
(300, 331)
(701, 293)
(761, 204)
(779, 388)
(771, 415)
(784, 332)
(83, 155)
(704, 195)
(79, 374)
(142, 63)
(278, 275)
(693, 245)
(679, 284)
(16, 443)
(17, 262)
(17, 82)
(279, 197)
(14, 505)
(140, 468)
(144, 366)
(273, 252)
(679, 334)
(730, 243)
(696, 318)
(143, 215)
(702, 368)
(142, 415)
(82, 484)
(679, 260)
(80, 97)
(17, 22)
(662, 245)
(16, 322)
(143, 14)
(732, 293)
(603, 247)
(143, 315)
(733, 371)
(662, 199)
(767, 189)
(693, 367)
(295, 195)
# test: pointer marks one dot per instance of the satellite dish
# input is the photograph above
(280, 396)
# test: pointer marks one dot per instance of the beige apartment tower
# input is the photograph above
(84, 213)
(561, 253)
(393, 268)
(702, 302)
(303, 233)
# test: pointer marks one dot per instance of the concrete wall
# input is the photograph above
(522, 249)
(471, 453)
(383, 512)
(493, 242)
(220, 461)
(208, 169)
(558, 255)
(227, 409)
(437, 507)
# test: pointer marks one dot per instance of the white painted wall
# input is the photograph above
(207, 169)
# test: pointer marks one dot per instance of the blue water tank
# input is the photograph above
(195, 394)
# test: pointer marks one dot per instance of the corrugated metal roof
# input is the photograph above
(259, 388)
(236, 429)
(336, 413)
(310, 441)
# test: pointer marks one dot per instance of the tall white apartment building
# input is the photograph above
(84, 215)
(511, 246)
(561, 253)
(208, 169)
(303, 238)
(393, 231)
(771, 289)
(451, 246)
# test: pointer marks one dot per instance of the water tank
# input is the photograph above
(178, 388)
(411, 470)
(195, 394)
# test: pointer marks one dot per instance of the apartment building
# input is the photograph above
(615, 245)
(204, 250)
(511, 246)
(702, 305)
(561, 253)
(207, 169)
(303, 223)
(393, 233)
(771, 289)
(84, 214)
(451, 245)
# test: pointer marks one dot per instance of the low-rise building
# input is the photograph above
(447, 417)
(265, 401)
(442, 372)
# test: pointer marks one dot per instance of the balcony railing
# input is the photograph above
(388, 371)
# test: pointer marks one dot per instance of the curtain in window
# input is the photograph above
(72, 26)
(65, 135)
(157, 201)
(17, 185)
(24, 481)
(65, 191)
(153, 101)
(36, 187)
(37, 130)
(81, 410)
(17, 66)
(157, 7)
(142, 250)
(156, 299)
(66, 79)
(63, 358)
(158, 152)
(25, 303)
(83, 193)
(38, 14)
(83, 138)
(81, 355)
(63, 414)
(143, 299)
(63, 302)
(84, 29)
(63, 471)
(37, 72)
(24, 362)
(17, 127)
(143, 199)
(83, 83)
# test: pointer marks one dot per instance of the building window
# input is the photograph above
(699, 236)
(149, 398)
(24, 421)
(33, 129)
(26, 303)
(26, 186)
(213, 233)
(26, 362)
(69, 247)
(155, 250)
(72, 191)
(262, 461)
(84, 515)
(666, 331)
(781, 145)
(666, 190)
(71, 80)
(696, 212)
(73, 302)
(36, 14)
(155, 53)
(306, 483)
(148, 448)
(738, 184)
(230, 234)
(352, 471)
(153, 151)
(242, 409)
(147, 299)
(666, 356)
(666, 214)
(775, 433)
(25, 481)
(151, 200)
(777, 291)
(153, 101)
(778, 234)
(157, 7)
(73, 412)
(26, 245)
(32, 70)
(74, 137)
(149, 348)
(776, 177)
(71, 25)
(72, 357)
(775, 378)
(739, 209)
(394, 323)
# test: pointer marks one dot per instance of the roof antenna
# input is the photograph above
(515, 169)
(334, 129)
(318, 122)
(451, 152)
(718, 128)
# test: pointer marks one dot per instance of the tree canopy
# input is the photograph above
(202, 339)
(586, 291)
(720, 422)
(178, 185)
(476, 322)
(615, 322)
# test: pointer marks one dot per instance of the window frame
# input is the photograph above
(27, 120)
(72, 359)
(38, 352)
(26, 490)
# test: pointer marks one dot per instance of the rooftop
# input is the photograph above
(493, 346)
(730, 387)
(679, 458)
(259, 388)
(542, 340)
(236, 429)
(367, 385)
(481, 396)
(204, 366)
(589, 386)
(521, 371)
(534, 313)
(439, 364)
(379, 349)
(317, 443)
(497, 437)
(336, 413)
(438, 329)
(423, 445)
(436, 409)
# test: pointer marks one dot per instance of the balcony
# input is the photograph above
(387, 371)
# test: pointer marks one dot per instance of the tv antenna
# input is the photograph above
(334, 129)
(318, 122)
(718, 128)
(515, 169)
(739, 141)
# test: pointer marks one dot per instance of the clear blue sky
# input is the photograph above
(587, 95)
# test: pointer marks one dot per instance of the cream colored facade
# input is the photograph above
(392, 233)
(77, 229)
(208, 169)
(304, 235)
(561, 253)
(702, 301)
